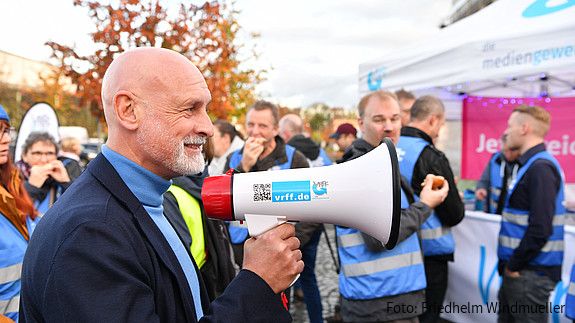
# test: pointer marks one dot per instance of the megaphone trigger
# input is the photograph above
(259, 223)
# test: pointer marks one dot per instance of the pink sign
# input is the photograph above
(485, 119)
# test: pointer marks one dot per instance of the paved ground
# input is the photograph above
(327, 280)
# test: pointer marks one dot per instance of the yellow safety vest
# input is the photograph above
(192, 214)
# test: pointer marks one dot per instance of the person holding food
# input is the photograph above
(417, 158)
(376, 284)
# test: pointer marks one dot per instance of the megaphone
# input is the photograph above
(363, 193)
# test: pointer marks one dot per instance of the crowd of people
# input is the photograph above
(128, 239)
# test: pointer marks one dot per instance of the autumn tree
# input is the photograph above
(205, 34)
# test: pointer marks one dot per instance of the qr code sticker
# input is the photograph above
(262, 192)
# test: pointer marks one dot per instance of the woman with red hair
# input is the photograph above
(17, 221)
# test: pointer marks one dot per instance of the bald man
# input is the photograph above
(106, 253)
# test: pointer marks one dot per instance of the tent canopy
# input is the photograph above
(512, 47)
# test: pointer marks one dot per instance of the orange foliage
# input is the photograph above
(205, 34)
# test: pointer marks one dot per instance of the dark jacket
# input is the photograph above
(411, 220)
(97, 256)
(432, 161)
(305, 145)
(218, 270)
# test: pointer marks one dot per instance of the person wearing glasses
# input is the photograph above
(45, 175)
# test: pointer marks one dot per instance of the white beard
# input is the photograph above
(168, 151)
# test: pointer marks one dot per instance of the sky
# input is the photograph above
(311, 49)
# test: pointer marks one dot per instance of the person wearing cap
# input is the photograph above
(344, 135)
(17, 221)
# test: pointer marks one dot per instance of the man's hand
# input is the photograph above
(59, 172)
(430, 196)
(39, 174)
(512, 274)
(480, 194)
(253, 148)
(274, 256)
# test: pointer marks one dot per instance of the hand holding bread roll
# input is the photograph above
(434, 190)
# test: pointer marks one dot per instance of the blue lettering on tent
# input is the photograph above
(375, 79)
(543, 7)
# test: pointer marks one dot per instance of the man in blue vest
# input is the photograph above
(106, 253)
(393, 288)
(263, 150)
(417, 158)
(531, 243)
(492, 187)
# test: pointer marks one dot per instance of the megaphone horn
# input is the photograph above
(363, 193)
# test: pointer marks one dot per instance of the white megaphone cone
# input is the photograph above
(363, 193)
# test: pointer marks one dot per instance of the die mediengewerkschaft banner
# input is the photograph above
(485, 119)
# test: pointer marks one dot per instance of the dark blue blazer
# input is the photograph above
(97, 256)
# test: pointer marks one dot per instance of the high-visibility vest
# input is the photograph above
(366, 274)
(496, 174)
(436, 239)
(321, 160)
(12, 249)
(192, 214)
(514, 222)
(239, 231)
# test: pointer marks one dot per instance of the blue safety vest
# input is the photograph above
(366, 274)
(570, 300)
(12, 249)
(496, 173)
(435, 238)
(321, 160)
(514, 222)
(239, 231)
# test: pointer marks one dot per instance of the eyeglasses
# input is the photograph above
(38, 154)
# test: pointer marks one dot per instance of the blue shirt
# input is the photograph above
(149, 189)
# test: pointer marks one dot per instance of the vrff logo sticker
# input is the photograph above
(291, 191)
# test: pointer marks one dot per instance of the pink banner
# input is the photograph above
(485, 119)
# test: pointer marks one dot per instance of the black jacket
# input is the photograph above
(97, 256)
(305, 145)
(218, 270)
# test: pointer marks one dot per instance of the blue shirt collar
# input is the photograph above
(146, 186)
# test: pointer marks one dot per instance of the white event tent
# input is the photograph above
(512, 48)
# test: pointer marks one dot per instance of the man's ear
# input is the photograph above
(125, 110)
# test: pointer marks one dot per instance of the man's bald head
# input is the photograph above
(290, 125)
(145, 72)
(155, 104)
